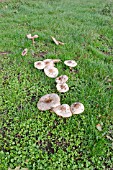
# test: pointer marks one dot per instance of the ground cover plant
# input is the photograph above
(33, 139)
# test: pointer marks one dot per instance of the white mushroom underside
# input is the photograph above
(63, 110)
(39, 65)
(62, 87)
(48, 101)
(70, 63)
(51, 71)
(77, 108)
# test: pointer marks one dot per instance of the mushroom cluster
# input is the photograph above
(49, 67)
(62, 86)
(52, 102)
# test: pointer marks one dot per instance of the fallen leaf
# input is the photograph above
(57, 42)
(17, 168)
(24, 52)
(99, 127)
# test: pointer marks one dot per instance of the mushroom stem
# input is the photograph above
(33, 42)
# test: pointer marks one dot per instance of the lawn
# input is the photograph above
(41, 140)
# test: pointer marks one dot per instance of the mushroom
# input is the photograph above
(70, 63)
(39, 65)
(48, 62)
(24, 52)
(48, 102)
(77, 108)
(61, 79)
(32, 37)
(56, 60)
(63, 110)
(62, 87)
(51, 71)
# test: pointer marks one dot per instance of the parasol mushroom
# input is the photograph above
(61, 79)
(70, 63)
(48, 102)
(39, 65)
(51, 71)
(62, 87)
(63, 110)
(77, 108)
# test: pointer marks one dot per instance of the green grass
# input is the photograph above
(42, 140)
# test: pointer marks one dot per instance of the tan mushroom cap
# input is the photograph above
(48, 62)
(48, 102)
(51, 71)
(62, 87)
(77, 108)
(24, 52)
(32, 37)
(39, 65)
(70, 63)
(61, 79)
(63, 110)
(56, 60)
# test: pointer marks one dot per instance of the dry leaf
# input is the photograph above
(17, 168)
(99, 127)
(24, 52)
(57, 42)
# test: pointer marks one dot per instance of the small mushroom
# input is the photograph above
(51, 71)
(63, 110)
(32, 37)
(48, 102)
(70, 63)
(77, 108)
(39, 65)
(48, 62)
(61, 79)
(24, 52)
(62, 87)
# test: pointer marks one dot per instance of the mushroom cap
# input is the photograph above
(63, 110)
(35, 36)
(48, 101)
(24, 52)
(77, 108)
(48, 62)
(29, 36)
(39, 65)
(62, 87)
(70, 63)
(61, 79)
(51, 71)
(56, 60)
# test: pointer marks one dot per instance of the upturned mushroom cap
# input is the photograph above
(62, 87)
(63, 110)
(51, 71)
(48, 62)
(48, 102)
(61, 79)
(32, 37)
(77, 108)
(24, 52)
(39, 65)
(70, 63)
